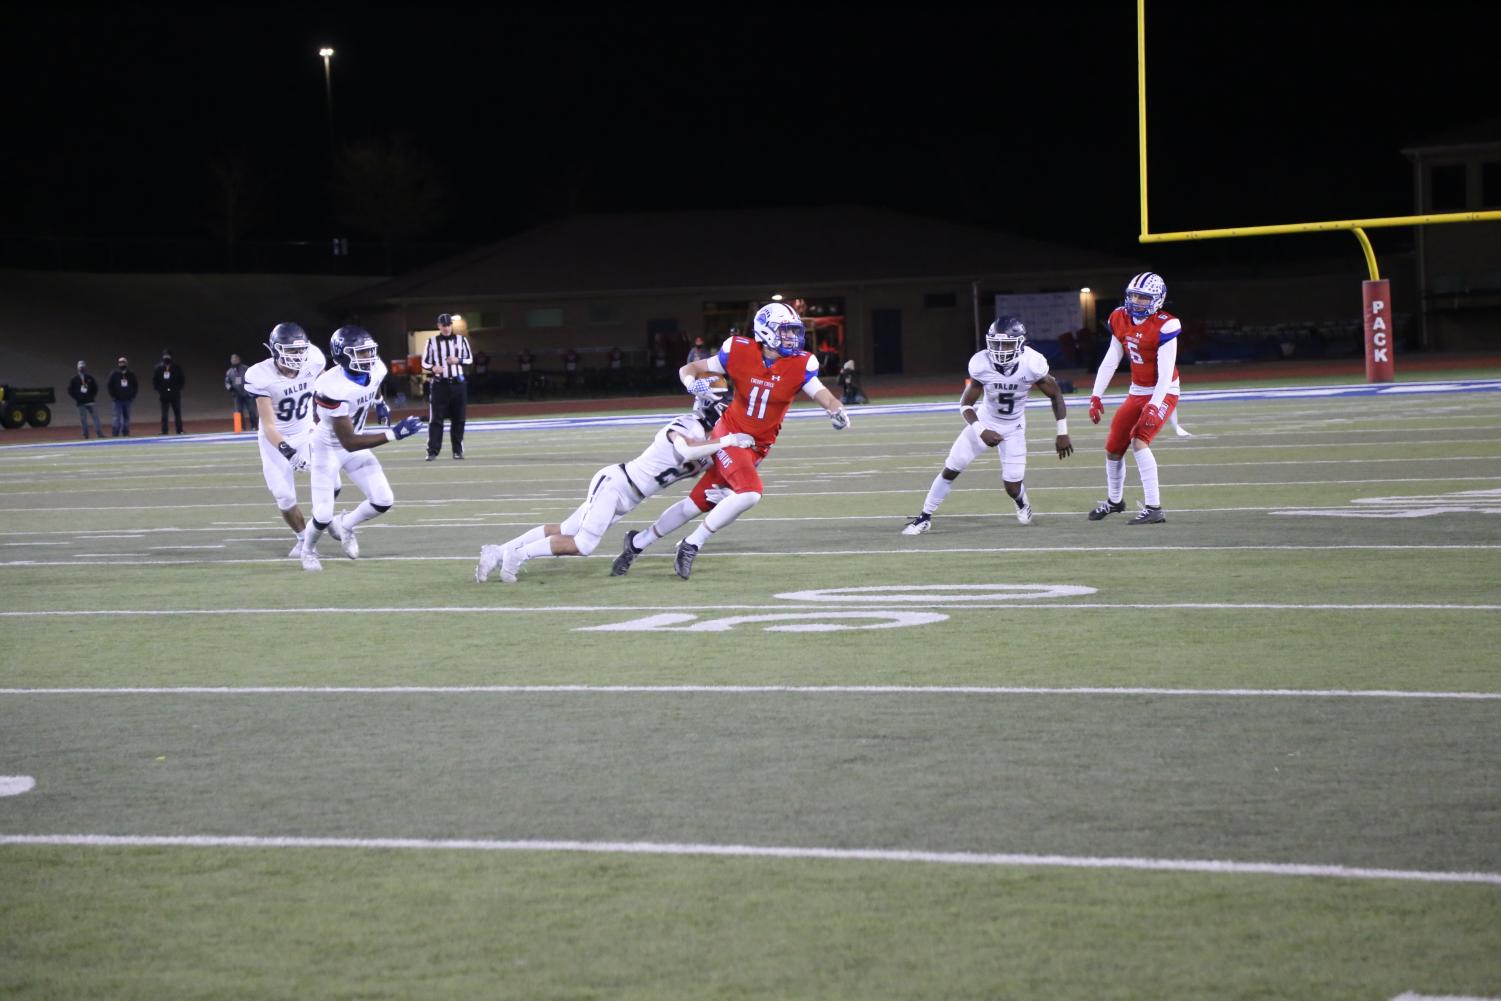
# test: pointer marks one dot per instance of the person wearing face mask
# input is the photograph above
(168, 381)
(85, 390)
(123, 386)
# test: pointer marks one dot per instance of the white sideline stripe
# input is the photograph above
(1410, 996)
(753, 851)
(1292, 693)
(532, 498)
(113, 559)
(826, 605)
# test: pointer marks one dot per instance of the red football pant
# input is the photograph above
(1126, 424)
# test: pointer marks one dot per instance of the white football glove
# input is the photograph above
(702, 388)
(738, 440)
(716, 495)
(840, 419)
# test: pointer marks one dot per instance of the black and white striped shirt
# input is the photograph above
(446, 356)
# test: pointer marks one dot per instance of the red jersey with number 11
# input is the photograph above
(1140, 342)
(763, 392)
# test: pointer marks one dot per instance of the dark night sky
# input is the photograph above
(1023, 122)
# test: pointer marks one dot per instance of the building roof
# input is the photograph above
(1477, 135)
(766, 248)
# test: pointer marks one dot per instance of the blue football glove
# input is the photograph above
(702, 388)
(382, 412)
(407, 426)
(839, 419)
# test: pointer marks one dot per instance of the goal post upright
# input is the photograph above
(1375, 291)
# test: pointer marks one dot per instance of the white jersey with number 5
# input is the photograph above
(291, 396)
(1003, 402)
(659, 466)
(337, 395)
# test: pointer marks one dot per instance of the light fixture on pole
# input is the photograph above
(328, 90)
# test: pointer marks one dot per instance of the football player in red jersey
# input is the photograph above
(1141, 330)
(768, 372)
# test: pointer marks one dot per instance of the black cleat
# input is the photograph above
(1148, 516)
(430, 457)
(684, 562)
(1105, 507)
(627, 556)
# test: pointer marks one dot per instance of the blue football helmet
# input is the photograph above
(289, 346)
(354, 349)
(1145, 295)
(1004, 340)
(777, 326)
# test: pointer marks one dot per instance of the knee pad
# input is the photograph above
(380, 508)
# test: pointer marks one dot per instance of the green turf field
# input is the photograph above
(1250, 753)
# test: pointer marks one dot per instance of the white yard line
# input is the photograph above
(756, 851)
(830, 603)
(1286, 693)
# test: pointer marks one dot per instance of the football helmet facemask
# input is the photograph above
(1145, 295)
(354, 349)
(777, 326)
(1004, 340)
(709, 409)
(288, 345)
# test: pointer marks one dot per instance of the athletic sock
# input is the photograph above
(724, 512)
(1021, 497)
(668, 522)
(1115, 479)
(364, 512)
(936, 493)
(1146, 465)
(537, 549)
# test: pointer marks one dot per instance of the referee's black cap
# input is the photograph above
(445, 320)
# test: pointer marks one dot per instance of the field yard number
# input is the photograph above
(937, 594)
(777, 622)
(15, 785)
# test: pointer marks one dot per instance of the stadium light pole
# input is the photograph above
(328, 91)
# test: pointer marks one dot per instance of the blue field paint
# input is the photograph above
(1078, 401)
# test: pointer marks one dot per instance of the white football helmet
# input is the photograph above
(1145, 295)
(1004, 340)
(778, 327)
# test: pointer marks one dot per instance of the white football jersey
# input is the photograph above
(337, 395)
(1004, 399)
(291, 396)
(659, 466)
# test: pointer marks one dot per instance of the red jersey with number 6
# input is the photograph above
(763, 391)
(1140, 342)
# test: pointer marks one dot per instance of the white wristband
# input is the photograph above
(390, 435)
(1063, 426)
(968, 406)
(686, 379)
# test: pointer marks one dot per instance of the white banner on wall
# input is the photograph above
(1046, 314)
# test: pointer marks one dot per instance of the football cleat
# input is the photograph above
(345, 537)
(1181, 431)
(684, 562)
(628, 554)
(489, 559)
(510, 563)
(1024, 514)
(1148, 516)
(296, 550)
(1106, 506)
(310, 560)
(918, 525)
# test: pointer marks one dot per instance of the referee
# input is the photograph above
(447, 395)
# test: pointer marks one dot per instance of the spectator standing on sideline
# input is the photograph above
(168, 381)
(123, 386)
(570, 368)
(447, 395)
(234, 381)
(699, 351)
(84, 389)
(849, 382)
